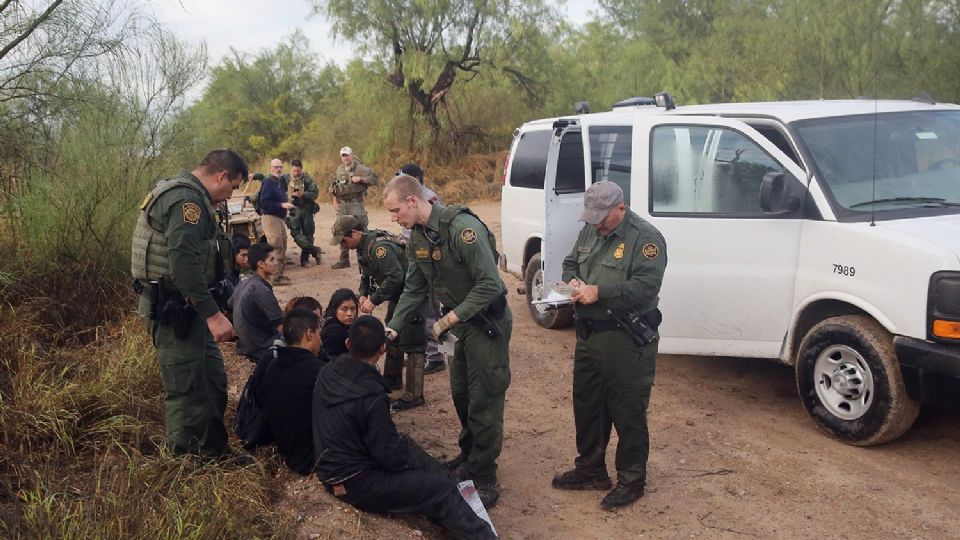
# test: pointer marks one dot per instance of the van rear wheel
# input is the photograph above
(850, 383)
(547, 318)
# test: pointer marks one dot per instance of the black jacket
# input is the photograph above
(352, 428)
(284, 389)
(333, 335)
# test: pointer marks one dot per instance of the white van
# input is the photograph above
(825, 234)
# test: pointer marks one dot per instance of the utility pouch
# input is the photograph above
(496, 309)
(486, 324)
(635, 325)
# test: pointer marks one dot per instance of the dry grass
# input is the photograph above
(82, 447)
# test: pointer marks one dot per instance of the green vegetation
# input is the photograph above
(92, 101)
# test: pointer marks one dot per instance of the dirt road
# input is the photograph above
(733, 454)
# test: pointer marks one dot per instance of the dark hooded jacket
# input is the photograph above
(284, 389)
(352, 428)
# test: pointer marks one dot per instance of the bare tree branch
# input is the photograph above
(30, 29)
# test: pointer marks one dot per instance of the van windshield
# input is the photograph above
(888, 162)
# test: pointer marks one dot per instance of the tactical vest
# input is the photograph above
(149, 257)
(346, 191)
(446, 217)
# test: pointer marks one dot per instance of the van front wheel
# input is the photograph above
(547, 318)
(849, 381)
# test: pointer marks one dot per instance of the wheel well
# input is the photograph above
(529, 250)
(813, 314)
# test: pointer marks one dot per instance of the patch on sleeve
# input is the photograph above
(191, 213)
(381, 252)
(650, 251)
(468, 236)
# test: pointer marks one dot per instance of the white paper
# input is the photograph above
(446, 344)
(559, 295)
(469, 493)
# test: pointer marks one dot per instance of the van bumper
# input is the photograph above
(931, 371)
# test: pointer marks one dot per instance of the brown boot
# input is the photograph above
(316, 255)
(304, 257)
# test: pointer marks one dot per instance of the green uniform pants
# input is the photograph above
(302, 227)
(479, 377)
(195, 384)
(612, 378)
(393, 363)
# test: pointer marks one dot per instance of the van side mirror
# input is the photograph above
(774, 198)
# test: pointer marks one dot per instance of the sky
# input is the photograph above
(252, 25)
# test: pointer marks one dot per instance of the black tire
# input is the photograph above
(850, 383)
(553, 318)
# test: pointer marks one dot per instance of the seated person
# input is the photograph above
(341, 310)
(284, 388)
(256, 311)
(362, 459)
(308, 303)
(241, 245)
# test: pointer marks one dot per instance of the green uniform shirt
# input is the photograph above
(345, 190)
(383, 266)
(183, 217)
(627, 266)
(309, 192)
(464, 273)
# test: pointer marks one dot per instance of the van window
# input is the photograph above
(530, 160)
(700, 169)
(570, 164)
(611, 154)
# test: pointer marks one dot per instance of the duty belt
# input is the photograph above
(587, 327)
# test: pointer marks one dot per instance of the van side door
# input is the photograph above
(563, 190)
(731, 275)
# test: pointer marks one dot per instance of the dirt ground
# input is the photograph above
(732, 455)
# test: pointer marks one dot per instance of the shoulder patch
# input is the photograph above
(650, 251)
(381, 252)
(468, 236)
(191, 213)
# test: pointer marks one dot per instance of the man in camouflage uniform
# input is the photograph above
(349, 187)
(452, 259)
(383, 266)
(615, 267)
(178, 253)
(303, 192)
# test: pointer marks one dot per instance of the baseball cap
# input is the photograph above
(346, 151)
(342, 227)
(598, 200)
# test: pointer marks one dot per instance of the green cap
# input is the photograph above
(342, 227)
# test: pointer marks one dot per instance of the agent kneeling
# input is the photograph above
(362, 459)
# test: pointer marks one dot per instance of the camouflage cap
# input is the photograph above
(598, 200)
(346, 151)
(342, 227)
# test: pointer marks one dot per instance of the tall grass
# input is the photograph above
(82, 448)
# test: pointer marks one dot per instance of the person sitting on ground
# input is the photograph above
(284, 388)
(308, 303)
(256, 311)
(341, 311)
(361, 457)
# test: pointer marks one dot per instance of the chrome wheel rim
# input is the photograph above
(844, 382)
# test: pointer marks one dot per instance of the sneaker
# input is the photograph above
(489, 493)
(581, 479)
(621, 495)
(403, 405)
(340, 264)
(433, 367)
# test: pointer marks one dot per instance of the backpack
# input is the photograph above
(446, 217)
(251, 424)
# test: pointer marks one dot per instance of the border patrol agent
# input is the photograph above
(349, 187)
(178, 253)
(383, 266)
(303, 192)
(616, 268)
(453, 259)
